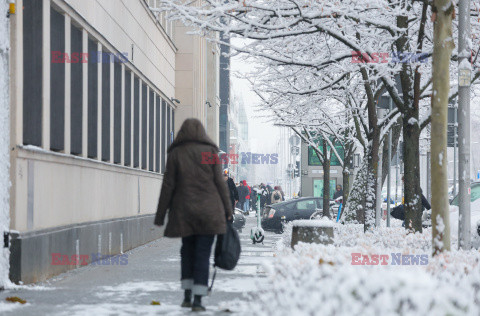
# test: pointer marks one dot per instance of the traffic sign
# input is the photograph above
(295, 140)
(295, 150)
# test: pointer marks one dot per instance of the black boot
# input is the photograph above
(187, 301)
(197, 304)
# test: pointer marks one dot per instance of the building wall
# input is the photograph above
(213, 97)
(190, 89)
(311, 173)
(46, 184)
(197, 77)
(88, 139)
(224, 94)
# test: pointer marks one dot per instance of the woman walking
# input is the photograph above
(198, 201)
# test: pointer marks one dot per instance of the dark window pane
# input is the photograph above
(173, 122)
(150, 130)
(92, 100)
(144, 126)
(136, 123)
(105, 105)
(158, 134)
(128, 117)
(76, 88)
(169, 134)
(117, 113)
(32, 72)
(164, 131)
(57, 82)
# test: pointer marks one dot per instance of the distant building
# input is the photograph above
(224, 86)
(312, 172)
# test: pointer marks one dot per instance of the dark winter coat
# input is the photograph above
(195, 193)
(242, 193)
(398, 212)
(269, 197)
(233, 191)
(338, 194)
(263, 196)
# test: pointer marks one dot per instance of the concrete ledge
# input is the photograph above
(312, 231)
(31, 252)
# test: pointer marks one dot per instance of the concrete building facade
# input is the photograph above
(92, 87)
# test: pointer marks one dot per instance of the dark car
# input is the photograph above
(238, 220)
(275, 215)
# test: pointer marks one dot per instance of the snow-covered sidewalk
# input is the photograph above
(152, 274)
(387, 272)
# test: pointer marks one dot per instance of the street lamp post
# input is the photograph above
(464, 77)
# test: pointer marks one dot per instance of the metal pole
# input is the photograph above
(455, 137)
(464, 123)
(429, 178)
(378, 207)
(389, 176)
(397, 172)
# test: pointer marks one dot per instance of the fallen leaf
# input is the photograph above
(15, 299)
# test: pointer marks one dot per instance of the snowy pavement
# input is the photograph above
(152, 274)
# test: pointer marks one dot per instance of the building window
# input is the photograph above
(150, 130)
(144, 126)
(32, 72)
(117, 112)
(173, 123)
(136, 123)
(76, 96)
(169, 134)
(57, 81)
(105, 105)
(128, 117)
(92, 100)
(157, 133)
(163, 132)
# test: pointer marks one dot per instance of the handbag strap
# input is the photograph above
(213, 280)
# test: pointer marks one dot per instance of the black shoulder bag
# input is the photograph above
(227, 251)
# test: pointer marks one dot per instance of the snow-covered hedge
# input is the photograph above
(321, 279)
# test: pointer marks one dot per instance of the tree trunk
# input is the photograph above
(371, 185)
(396, 132)
(442, 49)
(411, 158)
(326, 181)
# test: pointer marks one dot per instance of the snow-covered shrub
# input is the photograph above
(321, 279)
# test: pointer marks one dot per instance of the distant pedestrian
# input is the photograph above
(281, 191)
(231, 188)
(198, 204)
(246, 205)
(338, 192)
(269, 197)
(263, 197)
(276, 196)
(242, 195)
(254, 198)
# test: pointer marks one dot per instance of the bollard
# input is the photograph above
(318, 231)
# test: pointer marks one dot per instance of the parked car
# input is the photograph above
(475, 215)
(238, 220)
(275, 215)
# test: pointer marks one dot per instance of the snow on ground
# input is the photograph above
(322, 279)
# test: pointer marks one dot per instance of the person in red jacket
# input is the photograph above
(246, 205)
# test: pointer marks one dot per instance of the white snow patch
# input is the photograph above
(323, 222)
